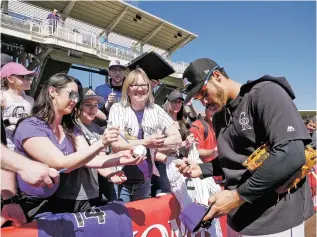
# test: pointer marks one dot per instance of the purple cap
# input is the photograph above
(15, 69)
(192, 216)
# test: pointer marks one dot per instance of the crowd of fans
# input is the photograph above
(86, 137)
(72, 148)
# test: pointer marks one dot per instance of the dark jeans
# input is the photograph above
(107, 189)
(160, 184)
(129, 192)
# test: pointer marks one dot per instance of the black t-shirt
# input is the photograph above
(3, 133)
(265, 113)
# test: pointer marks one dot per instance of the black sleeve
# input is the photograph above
(3, 133)
(284, 160)
(313, 144)
(212, 168)
(277, 116)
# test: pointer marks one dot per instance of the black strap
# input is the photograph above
(205, 128)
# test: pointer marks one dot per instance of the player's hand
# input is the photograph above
(39, 175)
(110, 135)
(127, 158)
(188, 169)
(154, 141)
(13, 212)
(117, 177)
(112, 98)
(222, 203)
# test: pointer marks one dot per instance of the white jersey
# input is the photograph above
(154, 119)
(16, 107)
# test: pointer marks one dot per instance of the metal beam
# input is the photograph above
(39, 58)
(67, 9)
(115, 22)
(179, 45)
(150, 35)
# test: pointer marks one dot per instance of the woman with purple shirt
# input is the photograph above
(141, 121)
(52, 136)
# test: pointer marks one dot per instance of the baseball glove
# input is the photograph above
(257, 158)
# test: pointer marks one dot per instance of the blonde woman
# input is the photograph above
(141, 122)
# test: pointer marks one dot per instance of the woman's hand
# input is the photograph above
(127, 158)
(154, 141)
(110, 135)
(117, 177)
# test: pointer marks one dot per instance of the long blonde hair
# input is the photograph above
(130, 80)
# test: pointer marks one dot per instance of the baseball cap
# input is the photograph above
(16, 69)
(116, 63)
(196, 74)
(91, 94)
(5, 58)
(174, 95)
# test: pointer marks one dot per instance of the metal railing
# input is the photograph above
(87, 39)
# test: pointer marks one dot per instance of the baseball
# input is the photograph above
(139, 150)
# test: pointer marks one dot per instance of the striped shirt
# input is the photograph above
(155, 119)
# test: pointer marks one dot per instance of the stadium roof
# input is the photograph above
(124, 19)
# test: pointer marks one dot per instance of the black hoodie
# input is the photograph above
(264, 112)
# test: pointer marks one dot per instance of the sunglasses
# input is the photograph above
(72, 95)
(26, 78)
(203, 91)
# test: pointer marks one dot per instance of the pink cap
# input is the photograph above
(15, 69)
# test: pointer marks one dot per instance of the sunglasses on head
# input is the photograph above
(203, 91)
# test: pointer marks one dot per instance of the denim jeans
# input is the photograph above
(129, 192)
(160, 183)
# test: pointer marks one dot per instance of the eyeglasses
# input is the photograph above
(136, 86)
(203, 91)
(116, 70)
(72, 95)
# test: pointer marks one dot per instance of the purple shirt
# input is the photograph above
(142, 171)
(34, 127)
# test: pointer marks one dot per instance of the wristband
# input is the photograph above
(15, 199)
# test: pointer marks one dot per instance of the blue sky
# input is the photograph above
(249, 39)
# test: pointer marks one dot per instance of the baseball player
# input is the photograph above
(260, 111)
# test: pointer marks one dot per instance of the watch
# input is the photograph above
(15, 199)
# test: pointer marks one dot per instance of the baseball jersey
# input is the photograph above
(154, 119)
(111, 220)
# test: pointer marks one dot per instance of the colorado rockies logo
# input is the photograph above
(244, 121)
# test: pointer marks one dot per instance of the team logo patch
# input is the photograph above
(244, 121)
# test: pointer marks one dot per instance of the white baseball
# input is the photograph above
(139, 150)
